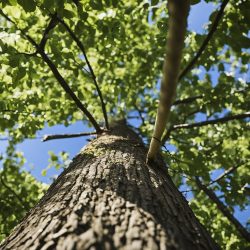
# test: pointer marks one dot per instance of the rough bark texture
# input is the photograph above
(108, 198)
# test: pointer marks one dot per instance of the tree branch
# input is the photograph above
(227, 172)
(224, 210)
(178, 12)
(24, 205)
(187, 100)
(215, 121)
(206, 41)
(52, 24)
(68, 90)
(140, 114)
(81, 47)
(63, 136)
(204, 123)
(58, 76)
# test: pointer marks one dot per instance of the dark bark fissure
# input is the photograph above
(108, 198)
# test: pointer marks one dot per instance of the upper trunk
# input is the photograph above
(108, 198)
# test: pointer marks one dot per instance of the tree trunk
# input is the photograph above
(108, 198)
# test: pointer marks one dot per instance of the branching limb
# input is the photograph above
(68, 90)
(58, 76)
(204, 123)
(64, 136)
(225, 211)
(206, 41)
(81, 47)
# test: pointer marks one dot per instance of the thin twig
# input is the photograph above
(226, 173)
(204, 123)
(81, 47)
(206, 41)
(189, 190)
(64, 136)
(32, 138)
(140, 114)
(225, 211)
(215, 121)
(58, 76)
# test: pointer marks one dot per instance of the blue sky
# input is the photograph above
(36, 152)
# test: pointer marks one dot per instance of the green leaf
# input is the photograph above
(68, 14)
(15, 11)
(14, 61)
(44, 172)
(20, 73)
(193, 2)
(13, 2)
(28, 5)
(53, 104)
(96, 4)
(154, 2)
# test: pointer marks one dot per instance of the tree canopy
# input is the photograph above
(94, 61)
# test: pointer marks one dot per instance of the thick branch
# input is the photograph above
(81, 47)
(206, 41)
(178, 12)
(15, 194)
(63, 136)
(204, 123)
(225, 211)
(52, 24)
(58, 76)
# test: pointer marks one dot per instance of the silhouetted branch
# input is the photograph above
(227, 172)
(204, 123)
(206, 41)
(58, 76)
(15, 194)
(225, 211)
(140, 114)
(64, 136)
(52, 24)
(215, 121)
(81, 47)
(68, 90)
(187, 100)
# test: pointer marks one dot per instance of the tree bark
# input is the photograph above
(108, 198)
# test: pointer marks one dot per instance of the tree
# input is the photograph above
(113, 51)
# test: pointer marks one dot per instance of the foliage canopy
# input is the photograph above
(125, 44)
